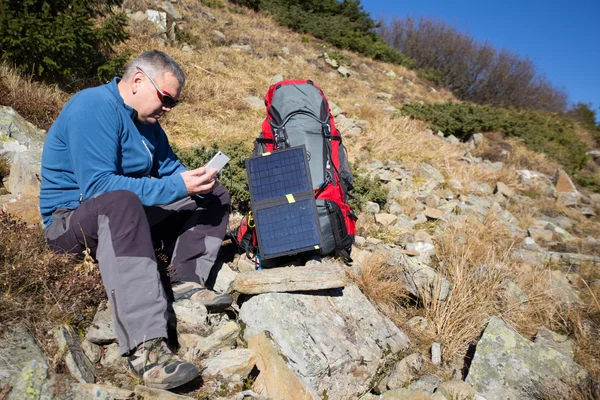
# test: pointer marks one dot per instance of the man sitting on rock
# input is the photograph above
(111, 183)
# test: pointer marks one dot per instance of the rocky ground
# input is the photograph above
(308, 331)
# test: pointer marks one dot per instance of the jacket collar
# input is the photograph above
(114, 90)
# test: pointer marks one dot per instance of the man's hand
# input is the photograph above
(199, 181)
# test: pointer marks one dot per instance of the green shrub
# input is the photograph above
(232, 176)
(341, 58)
(541, 131)
(588, 180)
(61, 40)
(432, 75)
(366, 189)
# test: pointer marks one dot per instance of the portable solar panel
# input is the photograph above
(283, 203)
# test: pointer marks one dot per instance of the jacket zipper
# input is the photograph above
(149, 153)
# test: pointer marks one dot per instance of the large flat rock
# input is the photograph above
(333, 340)
(293, 279)
(508, 366)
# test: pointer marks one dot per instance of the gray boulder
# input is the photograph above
(21, 143)
(420, 279)
(508, 366)
(17, 349)
(102, 330)
(334, 340)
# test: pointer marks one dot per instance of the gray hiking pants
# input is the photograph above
(121, 234)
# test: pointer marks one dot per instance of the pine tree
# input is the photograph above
(60, 40)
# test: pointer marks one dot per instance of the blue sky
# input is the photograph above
(561, 37)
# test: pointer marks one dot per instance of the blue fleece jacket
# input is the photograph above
(96, 146)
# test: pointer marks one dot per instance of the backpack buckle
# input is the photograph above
(326, 130)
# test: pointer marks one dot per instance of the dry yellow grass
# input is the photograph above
(476, 260)
(380, 283)
(36, 102)
(220, 78)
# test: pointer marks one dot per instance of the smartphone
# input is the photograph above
(217, 162)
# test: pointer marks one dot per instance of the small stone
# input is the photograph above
(420, 218)
(360, 240)
(504, 190)
(225, 278)
(404, 223)
(455, 185)
(191, 316)
(275, 78)
(102, 330)
(365, 69)
(422, 236)
(433, 213)
(386, 219)
(345, 72)
(452, 139)
(233, 365)
(456, 389)
(255, 103)
(218, 37)
(563, 183)
(427, 383)
(372, 208)
(477, 139)
(530, 244)
(417, 323)
(540, 235)
(383, 96)
(158, 18)
(405, 371)
(374, 241)
(424, 250)
(391, 74)
(91, 350)
(241, 47)
(285, 51)
(436, 354)
(112, 358)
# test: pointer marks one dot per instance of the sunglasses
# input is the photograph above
(166, 98)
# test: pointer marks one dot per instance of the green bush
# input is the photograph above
(366, 189)
(432, 75)
(232, 176)
(61, 41)
(588, 180)
(541, 131)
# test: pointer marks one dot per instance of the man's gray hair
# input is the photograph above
(155, 63)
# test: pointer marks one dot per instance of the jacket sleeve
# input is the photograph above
(166, 162)
(93, 133)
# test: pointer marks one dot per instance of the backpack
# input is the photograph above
(297, 113)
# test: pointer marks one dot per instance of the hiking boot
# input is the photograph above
(156, 364)
(213, 301)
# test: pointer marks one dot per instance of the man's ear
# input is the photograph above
(136, 82)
